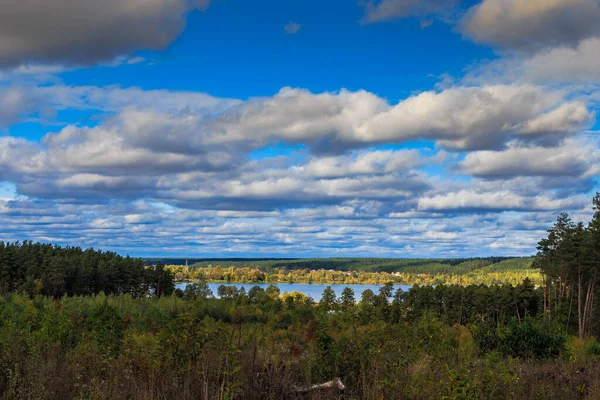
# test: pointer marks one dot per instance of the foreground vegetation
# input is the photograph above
(443, 342)
(474, 271)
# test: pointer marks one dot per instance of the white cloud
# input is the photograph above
(532, 24)
(372, 162)
(561, 121)
(115, 98)
(142, 228)
(84, 32)
(565, 64)
(458, 117)
(571, 158)
(34, 102)
(461, 117)
(386, 10)
(575, 68)
(500, 200)
(465, 199)
(477, 117)
(440, 235)
(187, 155)
(16, 103)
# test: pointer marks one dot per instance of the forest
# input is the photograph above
(54, 271)
(421, 265)
(69, 329)
(486, 271)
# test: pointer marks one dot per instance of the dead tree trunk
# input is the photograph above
(334, 384)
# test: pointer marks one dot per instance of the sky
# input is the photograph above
(298, 128)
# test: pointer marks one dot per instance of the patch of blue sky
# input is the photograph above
(8, 190)
(87, 117)
(36, 128)
(417, 144)
(242, 51)
(163, 207)
(33, 131)
(295, 152)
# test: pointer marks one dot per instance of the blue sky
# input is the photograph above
(240, 49)
(231, 128)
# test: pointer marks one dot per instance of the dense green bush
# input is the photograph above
(531, 339)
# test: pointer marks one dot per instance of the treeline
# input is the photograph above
(569, 259)
(494, 306)
(50, 270)
(389, 265)
(502, 272)
(445, 342)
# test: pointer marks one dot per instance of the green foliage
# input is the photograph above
(532, 340)
(569, 259)
(328, 300)
(44, 269)
(254, 346)
(106, 325)
(362, 270)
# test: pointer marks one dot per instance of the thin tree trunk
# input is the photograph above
(570, 309)
(591, 305)
(546, 315)
(587, 306)
(579, 310)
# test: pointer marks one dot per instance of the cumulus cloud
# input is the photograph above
(41, 103)
(458, 117)
(123, 159)
(373, 162)
(503, 200)
(565, 64)
(115, 98)
(83, 32)
(386, 10)
(270, 189)
(163, 171)
(193, 151)
(16, 104)
(135, 141)
(20, 157)
(478, 117)
(575, 69)
(533, 24)
(571, 158)
(146, 228)
(564, 119)
(189, 155)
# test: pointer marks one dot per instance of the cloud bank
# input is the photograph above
(490, 156)
(532, 25)
(82, 32)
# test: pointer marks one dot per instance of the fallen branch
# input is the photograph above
(334, 384)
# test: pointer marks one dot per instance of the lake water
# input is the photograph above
(314, 290)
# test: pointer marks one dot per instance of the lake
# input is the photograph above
(314, 290)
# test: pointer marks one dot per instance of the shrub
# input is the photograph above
(532, 340)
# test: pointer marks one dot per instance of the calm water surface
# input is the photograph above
(314, 290)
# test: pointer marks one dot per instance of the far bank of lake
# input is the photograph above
(314, 290)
